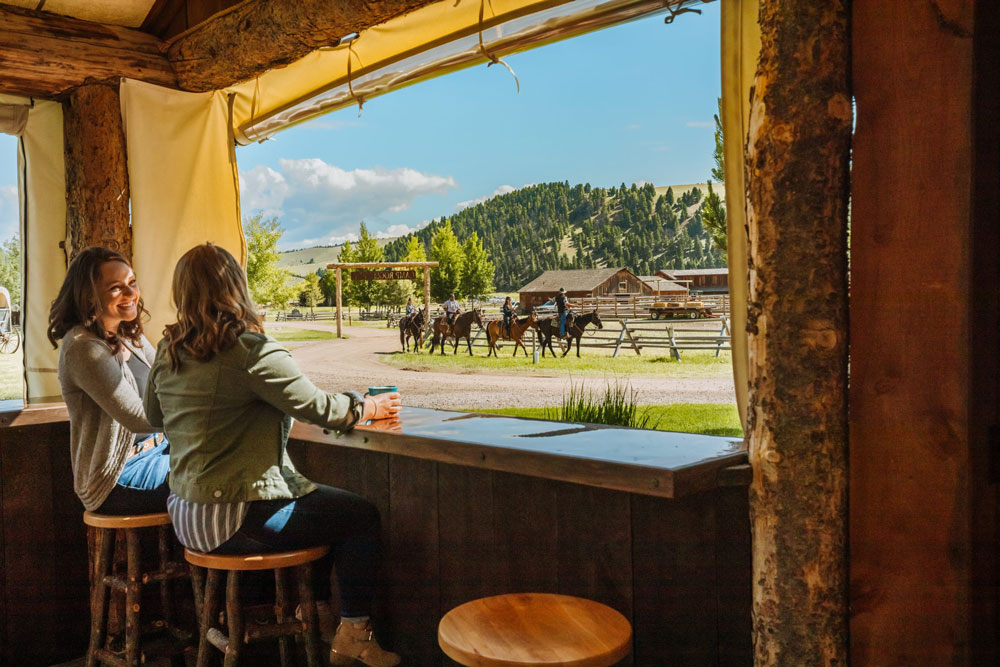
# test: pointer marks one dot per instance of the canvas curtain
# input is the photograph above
(41, 172)
(183, 182)
(740, 49)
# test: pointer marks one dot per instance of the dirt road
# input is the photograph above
(355, 363)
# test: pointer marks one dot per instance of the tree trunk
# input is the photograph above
(798, 177)
(97, 194)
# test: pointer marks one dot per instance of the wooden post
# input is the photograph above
(797, 169)
(97, 194)
(339, 303)
(427, 295)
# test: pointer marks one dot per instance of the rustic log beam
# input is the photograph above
(797, 181)
(97, 194)
(44, 55)
(250, 38)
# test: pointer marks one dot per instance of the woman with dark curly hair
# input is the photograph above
(225, 393)
(120, 462)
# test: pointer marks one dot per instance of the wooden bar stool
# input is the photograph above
(534, 629)
(286, 625)
(110, 528)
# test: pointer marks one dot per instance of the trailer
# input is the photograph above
(680, 310)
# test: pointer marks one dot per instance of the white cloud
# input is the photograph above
(392, 231)
(322, 203)
(502, 190)
(8, 211)
(700, 123)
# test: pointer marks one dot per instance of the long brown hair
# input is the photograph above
(213, 305)
(79, 301)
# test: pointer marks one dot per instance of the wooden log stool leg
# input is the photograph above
(237, 633)
(108, 529)
(534, 629)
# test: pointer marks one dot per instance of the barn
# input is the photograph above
(661, 286)
(704, 281)
(580, 283)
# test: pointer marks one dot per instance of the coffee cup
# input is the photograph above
(381, 389)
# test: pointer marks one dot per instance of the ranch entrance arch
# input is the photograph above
(389, 268)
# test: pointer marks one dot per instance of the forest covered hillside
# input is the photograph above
(558, 226)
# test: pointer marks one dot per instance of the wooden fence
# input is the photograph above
(636, 335)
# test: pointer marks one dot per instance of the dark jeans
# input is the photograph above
(142, 485)
(562, 323)
(347, 522)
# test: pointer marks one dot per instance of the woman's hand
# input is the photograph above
(382, 406)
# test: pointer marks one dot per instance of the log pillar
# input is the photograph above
(797, 186)
(97, 192)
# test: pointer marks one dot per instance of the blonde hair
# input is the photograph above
(79, 301)
(214, 307)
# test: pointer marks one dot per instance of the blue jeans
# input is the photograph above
(562, 323)
(142, 485)
(345, 521)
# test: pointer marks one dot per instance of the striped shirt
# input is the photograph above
(205, 526)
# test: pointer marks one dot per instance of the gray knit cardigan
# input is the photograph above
(105, 411)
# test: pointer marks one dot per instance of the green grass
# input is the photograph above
(704, 418)
(695, 364)
(300, 334)
(11, 375)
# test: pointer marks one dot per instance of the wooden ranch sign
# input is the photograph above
(368, 274)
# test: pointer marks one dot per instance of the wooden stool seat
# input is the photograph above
(534, 629)
(268, 561)
(207, 570)
(124, 522)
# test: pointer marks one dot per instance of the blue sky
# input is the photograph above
(628, 104)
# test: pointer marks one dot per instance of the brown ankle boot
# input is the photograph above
(355, 642)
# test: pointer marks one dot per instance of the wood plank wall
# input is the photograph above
(923, 502)
(43, 549)
(679, 570)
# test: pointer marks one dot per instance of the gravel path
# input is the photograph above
(354, 363)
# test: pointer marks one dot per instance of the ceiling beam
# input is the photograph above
(46, 55)
(248, 39)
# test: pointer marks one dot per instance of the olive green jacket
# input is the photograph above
(227, 420)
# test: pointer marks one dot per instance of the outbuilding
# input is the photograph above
(704, 281)
(581, 283)
(661, 286)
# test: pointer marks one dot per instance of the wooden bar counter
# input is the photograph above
(654, 524)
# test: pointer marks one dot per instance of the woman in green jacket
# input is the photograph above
(225, 394)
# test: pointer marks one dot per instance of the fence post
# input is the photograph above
(534, 347)
(621, 338)
(673, 342)
(630, 338)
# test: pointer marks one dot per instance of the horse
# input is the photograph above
(412, 326)
(495, 332)
(549, 329)
(462, 328)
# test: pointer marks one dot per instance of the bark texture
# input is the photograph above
(45, 55)
(97, 194)
(256, 36)
(797, 181)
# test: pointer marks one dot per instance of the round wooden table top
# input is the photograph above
(524, 629)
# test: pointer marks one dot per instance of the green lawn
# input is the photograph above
(704, 418)
(695, 364)
(300, 334)
(11, 375)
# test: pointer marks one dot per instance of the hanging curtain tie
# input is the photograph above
(674, 13)
(360, 99)
(494, 60)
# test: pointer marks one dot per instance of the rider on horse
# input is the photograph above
(563, 305)
(451, 309)
(508, 316)
(410, 308)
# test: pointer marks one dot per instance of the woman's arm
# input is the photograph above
(91, 367)
(275, 378)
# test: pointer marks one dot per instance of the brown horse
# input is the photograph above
(462, 328)
(495, 331)
(549, 329)
(412, 326)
